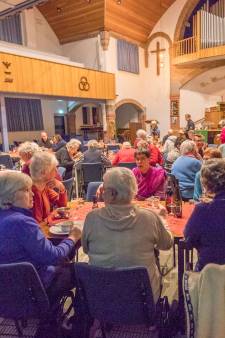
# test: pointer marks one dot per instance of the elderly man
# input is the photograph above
(186, 167)
(150, 180)
(45, 141)
(93, 155)
(125, 155)
(67, 156)
(135, 231)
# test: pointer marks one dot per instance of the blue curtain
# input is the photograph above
(127, 56)
(24, 114)
(10, 29)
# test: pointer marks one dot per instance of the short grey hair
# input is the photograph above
(187, 147)
(93, 144)
(123, 181)
(41, 164)
(222, 123)
(141, 133)
(10, 182)
(213, 175)
(28, 148)
(73, 143)
(126, 145)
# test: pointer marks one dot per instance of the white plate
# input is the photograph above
(57, 231)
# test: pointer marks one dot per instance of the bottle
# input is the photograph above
(177, 200)
(169, 198)
(95, 203)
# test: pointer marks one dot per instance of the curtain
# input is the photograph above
(127, 56)
(24, 114)
(10, 29)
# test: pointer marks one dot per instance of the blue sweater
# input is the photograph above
(21, 240)
(185, 169)
(205, 231)
(198, 187)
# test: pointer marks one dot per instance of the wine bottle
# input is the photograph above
(95, 203)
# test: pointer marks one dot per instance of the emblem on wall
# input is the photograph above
(84, 84)
(7, 72)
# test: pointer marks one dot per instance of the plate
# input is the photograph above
(57, 231)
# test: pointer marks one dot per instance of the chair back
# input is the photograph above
(92, 172)
(69, 187)
(113, 147)
(91, 190)
(61, 171)
(129, 165)
(6, 160)
(84, 148)
(21, 292)
(121, 296)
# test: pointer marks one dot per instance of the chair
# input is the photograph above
(129, 165)
(22, 294)
(84, 148)
(91, 190)
(6, 161)
(69, 187)
(61, 171)
(91, 172)
(113, 147)
(116, 297)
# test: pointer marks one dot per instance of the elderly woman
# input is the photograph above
(21, 239)
(205, 229)
(47, 190)
(122, 234)
(150, 180)
(209, 153)
(67, 155)
(185, 169)
(26, 150)
(125, 155)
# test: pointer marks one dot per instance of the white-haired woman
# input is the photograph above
(185, 169)
(141, 136)
(205, 229)
(67, 155)
(124, 155)
(48, 191)
(122, 234)
(21, 239)
(26, 150)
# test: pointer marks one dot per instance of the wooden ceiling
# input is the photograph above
(76, 19)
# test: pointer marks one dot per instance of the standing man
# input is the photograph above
(45, 141)
(190, 124)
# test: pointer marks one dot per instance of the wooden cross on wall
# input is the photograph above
(157, 52)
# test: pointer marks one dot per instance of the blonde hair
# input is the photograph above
(28, 148)
(10, 182)
(93, 144)
(41, 164)
(73, 143)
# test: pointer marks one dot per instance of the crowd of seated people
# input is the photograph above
(120, 234)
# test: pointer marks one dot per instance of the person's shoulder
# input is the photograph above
(147, 214)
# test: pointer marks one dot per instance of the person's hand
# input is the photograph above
(75, 234)
(99, 192)
(53, 183)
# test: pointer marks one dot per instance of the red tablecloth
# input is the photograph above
(79, 212)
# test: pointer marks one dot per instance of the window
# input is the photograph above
(10, 29)
(95, 115)
(127, 56)
(24, 114)
(85, 115)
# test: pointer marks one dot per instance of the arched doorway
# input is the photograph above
(130, 116)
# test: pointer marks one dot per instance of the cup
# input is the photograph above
(156, 202)
(63, 212)
(66, 226)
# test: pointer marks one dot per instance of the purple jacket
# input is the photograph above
(21, 240)
(151, 183)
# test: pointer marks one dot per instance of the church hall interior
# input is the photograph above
(112, 171)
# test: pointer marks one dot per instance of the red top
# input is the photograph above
(222, 135)
(155, 154)
(124, 156)
(43, 201)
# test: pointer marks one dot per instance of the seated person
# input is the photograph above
(67, 156)
(125, 155)
(209, 153)
(26, 150)
(58, 142)
(185, 169)
(200, 144)
(155, 154)
(174, 153)
(45, 141)
(93, 155)
(122, 234)
(47, 190)
(205, 229)
(150, 180)
(21, 239)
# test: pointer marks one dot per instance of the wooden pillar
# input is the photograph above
(4, 127)
(110, 122)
